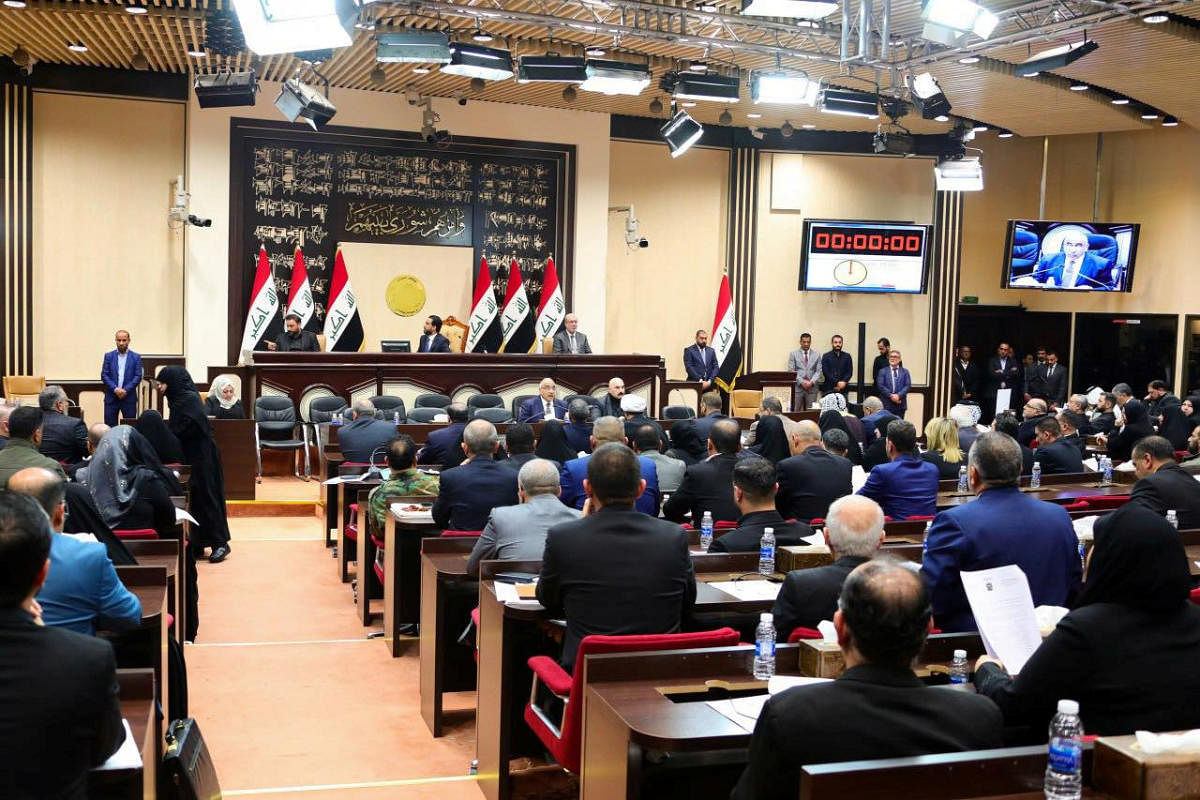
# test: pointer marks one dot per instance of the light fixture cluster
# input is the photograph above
(929, 99)
(1055, 58)
(951, 22)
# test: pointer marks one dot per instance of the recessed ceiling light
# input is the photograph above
(1155, 19)
(1079, 87)
(753, 115)
(1149, 113)
(941, 118)
(1005, 134)
(420, 70)
(1169, 121)
(969, 60)
(1032, 74)
(594, 52)
(136, 9)
(689, 104)
(196, 52)
(1120, 101)
(980, 128)
(77, 47)
(15, 3)
(808, 126)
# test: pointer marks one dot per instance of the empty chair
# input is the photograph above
(478, 401)
(23, 387)
(431, 400)
(276, 428)
(424, 415)
(387, 407)
(495, 416)
(322, 409)
(678, 412)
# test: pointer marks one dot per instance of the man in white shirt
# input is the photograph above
(806, 363)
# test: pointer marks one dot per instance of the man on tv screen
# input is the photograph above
(1074, 267)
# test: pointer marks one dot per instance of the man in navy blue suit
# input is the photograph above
(467, 494)
(120, 373)
(579, 430)
(1075, 267)
(893, 382)
(432, 340)
(544, 406)
(365, 436)
(1000, 526)
(605, 430)
(906, 486)
(443, 445)
(700, 361)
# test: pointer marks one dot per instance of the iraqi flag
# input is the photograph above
(263, 322)
(725, 339)
(552, 309)
(300, 296)
(343, 326)
(516, 319)
(484, 333)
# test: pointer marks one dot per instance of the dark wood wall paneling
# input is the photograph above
(16, 222)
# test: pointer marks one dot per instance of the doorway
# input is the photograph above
(1130, 349)
(1191, 355)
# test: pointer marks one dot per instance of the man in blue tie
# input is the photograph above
(894, 382)
(700, 361)
(121, 373)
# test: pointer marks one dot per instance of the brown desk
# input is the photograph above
(137, 707)
(402, 575)
(168, 554)
(146, 646)
(235, 440)
(446, 666)
(347, 494)
(1055, 488)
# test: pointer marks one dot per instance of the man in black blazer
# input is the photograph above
(64, 438)
(578, 429)
(60, 712)
(467, 494)
(837, 368)
(1056, 455)
(965, 385)
(365, 436)
(812, 479)
(710, 412)
(878, 708)
(615, 571)
(754, 488)
(1162, 484)
(432, 340)
(708, 486)
(610, 404)
(519, 442)
(1033, 412)
(1004, 372)
(1073, 426)
(1006, 423)
(444, 446)
(700, 361)
(1054, 380)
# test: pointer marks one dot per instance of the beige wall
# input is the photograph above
(659, 296)
(104, 256)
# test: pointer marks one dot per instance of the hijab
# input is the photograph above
(218, 384)
(1134, 413)
(1138, 562)
(553, 443)
(1175, 427)
(154, 428)
(1194, 419)
(124, 462)
(183, 400)
(834, 401)
(685, 440)
(771, 440)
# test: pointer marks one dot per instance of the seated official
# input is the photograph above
(834, 420)
(293, 339)
(364, 439)
(1134, 427)
(443, 447)
(403, 479)
(519, 442)
(553, 444)
(686, 444)
(1162, 484)
(544, 406)
(1006, 423)
(25, 434)
(130, 487)
(1057, 456)
(1191, 464)
(222, 401)
(771, 407)
(5, 410)
(754, 489)
(151, 425)
(1103, 419)
(64, 438)
(84, 517)
(836, 441)
(610, 404)
(1078, 404)
(570, 339)
(82, 590)
(574, 472)
(906, 486)
(1072, 423)
(877, 708)
(578, 427)
(708, 486)
(1176, 423)
(432, 340)
(647, 442)
(710, 412)
(1128, 650)
(1001, 526)
(813, 478)
(1032, 413)
(615, 571)
(468, 493)
(966, 418)
(853, 532)
(60, 710)
(78, 471)
(519, 532)
(633, 414)
(875, 419)
(941, 437)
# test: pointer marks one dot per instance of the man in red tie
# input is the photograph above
(806, 363)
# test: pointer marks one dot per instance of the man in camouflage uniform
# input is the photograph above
(404, 479)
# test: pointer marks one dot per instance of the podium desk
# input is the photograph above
(235, 440)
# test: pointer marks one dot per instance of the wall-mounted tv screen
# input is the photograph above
(1083, 256)
(847, 256)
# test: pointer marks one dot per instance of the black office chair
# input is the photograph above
(387, 407)
(595, 410)
(323, 409)
(515, 405)
(678, 412)
(496, 416)
(431, 400)
(424, 415)
(481, 401)
(276, 428)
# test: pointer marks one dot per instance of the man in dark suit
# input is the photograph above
(432, 340)
(1056, 455)
(1072, 425)
(1104, 419)
(544, 406)
(1162, 484)
(365, 436)
(708, 486)
(966, 377)
(64, 438)
(578, 429)
(60, 711)
(878, 708)
(1054, 380)
(1006, 423)
(519, 441)
(610, 404)
(853, 532)
(467, 494)
(700, 362)
(570, 339)
(444, 446)
(710, 407)
(1001, 526)
(873, 415)
(574, 472)
(907, 485)
(1003, 372)
(633, 414)
(884, 346)
(5, 411)
(813, 478)
(1033, 412)
(754, 488)
(615, 571)
(894, 382)
(519, 532)
(294, 340)
(120, 373)
(1075, 267)
(837, 368)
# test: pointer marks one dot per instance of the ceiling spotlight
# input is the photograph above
(196, 52)
(225, 89)
(656, 106)
(808, 126)
(1155, 19)
(1149, 113)
(969, 60)
(77, 47)
(959, 175)
(135, 9)
(477, 85)
(1005, 134)
(726, 118)
(15, 3)
(786, 129)
(1170, 121)
(477, 61)
(693, 86)
(1120, 101)
(801, 9)
(378, 76)
(288, 26)
(139, 61)
(1079, 87)
(1056, 57)
(551, 68)
(849, 102)
(698, 66)
(569, 94)
(753, 115)
(980, 128)
(594, 52)
(951, 21)
(941, 118)
(300, 101)
(782, 89)
(680, 133)
(481, 35)
(929, 98)
(615, 77)
(421, 69)
(412, 46)
(21, 57)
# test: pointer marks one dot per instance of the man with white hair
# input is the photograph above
(610, 404)
(965, 418)
(545, 406)
(64, 438)
(570, 340)
(365, 435)
(1075, 267)
(519, 532)
(5, 410)
(853, 532)
(872, 413)
(468, 493)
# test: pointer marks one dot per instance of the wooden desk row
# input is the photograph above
(138, 693)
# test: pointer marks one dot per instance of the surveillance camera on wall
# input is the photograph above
(632, 239)
(199, 222)
(178, 212)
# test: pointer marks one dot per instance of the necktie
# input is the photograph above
(548, 411)
(703, 355)
(805, 359)
(893, 380)
(1050, 372)
(572, 343)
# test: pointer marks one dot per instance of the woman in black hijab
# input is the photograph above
(831, 419)
(1128, 652)
(685, 442)
(207, 484)
(1175, 427)
(129, 485)
(773, 443)
(154, 428)
(1136, 427)
(553, 445)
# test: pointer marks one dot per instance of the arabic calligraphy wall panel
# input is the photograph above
(504, 199)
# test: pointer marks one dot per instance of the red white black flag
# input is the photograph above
(263, 322)
(484, 324)
(725, 340)
(343, 326)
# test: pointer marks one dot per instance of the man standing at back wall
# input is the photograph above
(121, 372)
(837, 368)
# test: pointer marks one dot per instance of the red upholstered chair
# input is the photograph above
(1078, 505)
(475, 622)
(1105, 502)
(1180, 455)
(352, 523)
(804, 633)
(816, 522)
(564, 743)
(1194, 596)
(140, 533)
(460, 534)
(921, 519)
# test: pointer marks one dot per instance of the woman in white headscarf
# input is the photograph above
(223, 402)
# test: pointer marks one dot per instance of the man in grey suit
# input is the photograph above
(806, 363)
(519, 532)
(570, 340)
(647, 441)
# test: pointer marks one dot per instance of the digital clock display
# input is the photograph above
(842, 255)
(868, 241)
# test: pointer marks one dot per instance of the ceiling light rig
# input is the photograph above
(951, 22)
(680, 133)
(928, 98)
(1170, 121)
(1055, 58)
(709, 86)
(615, 77)
(1155, 19)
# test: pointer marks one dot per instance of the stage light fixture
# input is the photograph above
(693, 86)
(482, 36)
(808, 126)
(1055, 58)
(139, 61)
(795, 9)
(197, 52)
(929, 98)
(849, 103)
(949, 22)
(753, 115)
(1169, 121)
(551, 68)
(656, 106)
(136, 10)
(708, 8)
(594, 52)
(477, 61)
(378, 77)
(412, 47)
(300, 101)
(615, 77)
(782, 89)
(569, 94)
(980, 128)
(786, 129)
(421, 69)
(726, 118)
(894, 142)
(969, 60)
(680, 133)
(15, 3)
(288, 26)
(225, 89)
(959, 175)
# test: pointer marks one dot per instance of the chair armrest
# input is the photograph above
(548, 671)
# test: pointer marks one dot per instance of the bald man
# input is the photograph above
(1075, 267)
(570, 339)
(121, 373)
(545, 406)
(813, 478)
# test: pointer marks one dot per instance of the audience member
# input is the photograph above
(25, 434)
(1033, 412)
(544, 406)
(443, 447)
(1122, 394)
(78, 470)
(554, 444)
(812, 479)
(1174, 426)
(84, 517)
(615, 571)
(836, 441)
(64, 438)
(754, 489)
(806, 364)
(60, 712)
(574, 471)
(647, 443)
(771, 407)
(468, 493)
(610, 404)
(222, 401)
(1103, 419)
(708, 485)
(1078, 404)
(906, 486)
(833, 420)
(1001, 526)
(837, 367)
(895, 381)
(364, 439)
(710, 408)
(1006, 423)
(5, 410)
(130, 487)
(578, 429)
(877, 708)
(404, 479)
(873, 415)
(1135, 426)
(686, 444)
(942, 450)
(966, 417)
(519, 531)
(853, 532)
(773, 443)
(1071, 423)
(965, 386)
(151, 425)
(633, 412)
(1162, 484)
(1127, 651)
(1191, 464)
(884, 346)
(1157, 396)
(1056, 455)
(519, 442)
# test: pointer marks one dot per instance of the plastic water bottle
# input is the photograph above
(766, 553)
(706, 531)
(958, 667)
(1082, 556)
(1173, 518)
(764, 647)
(396, 418)
(925, 538)
(1064, 762)
(337, 418)
(1107, 469)
(1035, 480)
(964, 485)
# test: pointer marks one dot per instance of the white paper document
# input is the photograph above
(128, 756)
(749, 590)
(1003, 397)
(1084, 526)
(858, 477)
(743, 711)
(181, 515)
(781, 683)
(1090, 464)
(1003, 609)
(814, 539)
(507, 593)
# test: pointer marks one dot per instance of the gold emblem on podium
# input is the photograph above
(405, 295)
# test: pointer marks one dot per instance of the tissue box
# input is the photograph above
(800, 556)
(1122, 769)
(820, 659)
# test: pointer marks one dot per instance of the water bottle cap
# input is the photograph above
(768, 530)
(1037, 464)
(707, 515)
(960, 653)
(766, 617)
(1068, 706)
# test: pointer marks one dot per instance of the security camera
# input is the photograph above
(462, 101)
(199, 222)
(632, 239)
(643, 242)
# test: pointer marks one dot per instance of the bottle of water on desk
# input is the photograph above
(337, 418)
(1173, 518)
(964, 485)
(1107, 470)
(1035, 480)
(766, 552)
(764, 647)
(958, 667)
(1064, 762)
(396, 418)
(706, 531)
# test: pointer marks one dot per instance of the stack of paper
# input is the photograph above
(1083, 527)
(749, 590)
(781, 683)
(426, 512)
(743, 711)
(128, 756)
(1003, 609)
(507, 593)
(858, 477)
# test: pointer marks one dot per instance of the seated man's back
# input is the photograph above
(907, 485)
(467, 494)
(365, 436)
(519, 532)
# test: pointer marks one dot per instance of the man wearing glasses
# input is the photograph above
(64, 438)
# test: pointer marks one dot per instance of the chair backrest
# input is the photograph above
(431, 400)
(1078, 505)
(137, 534)
(321, 342)
(496, 416)
(456, 331)
(460, 534)
(515, 405)
(485, 401)
(24, 387)
(678, 412)
(1104, 502)
(744, 403)
(275, 414)
(804, 633)
(322, 409)
(424, 416)
(386, 407)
